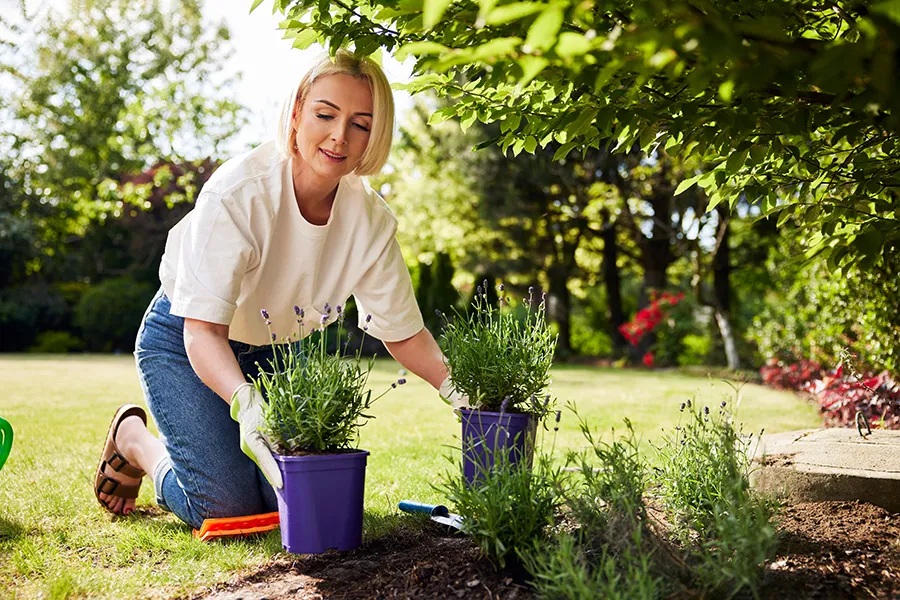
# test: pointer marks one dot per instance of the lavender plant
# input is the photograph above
(727, 529)
(499, 356)
(316, 400)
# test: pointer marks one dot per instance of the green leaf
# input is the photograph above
(572, 44)
(530, 144)
(531, 67)
(305, 39)
(256, 3)
(542, 33)
(468, 121)
(512, 12)
(564, 150)
(420, 49)
(726, 90)
(735, 162)
(687, 184)
(439, 116)
(869, 243)
(433, 11)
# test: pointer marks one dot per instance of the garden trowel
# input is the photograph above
(438, 512)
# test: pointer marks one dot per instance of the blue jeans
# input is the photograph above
(206, 475)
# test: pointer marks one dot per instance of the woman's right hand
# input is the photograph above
(246, 409)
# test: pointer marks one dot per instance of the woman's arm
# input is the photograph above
(422, 356)
(211, 357)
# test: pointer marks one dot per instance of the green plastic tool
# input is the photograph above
(6, 439)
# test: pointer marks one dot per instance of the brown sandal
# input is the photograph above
(114, 459)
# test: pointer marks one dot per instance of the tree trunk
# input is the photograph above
(613, 283)
(722, 288)
(559, 307)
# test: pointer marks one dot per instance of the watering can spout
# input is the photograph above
(6, 439)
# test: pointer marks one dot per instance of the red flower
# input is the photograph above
(648, 359)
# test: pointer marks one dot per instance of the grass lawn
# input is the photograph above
(57, 542)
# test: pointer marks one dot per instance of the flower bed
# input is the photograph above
(841, 393)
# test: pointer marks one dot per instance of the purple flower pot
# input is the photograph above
(486, 434)
(321, 503)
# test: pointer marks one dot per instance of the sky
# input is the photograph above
(268, 64)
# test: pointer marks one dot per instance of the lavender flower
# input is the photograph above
(502, 287)
(504, 405)
(324, 320)
(368, 318)
(327, 309)
(273, 337)
(297, 310)
(705, 410)
(530, 294)
(478, 289)
(401, 381)
(339, 309)
(682, 407)
(264, 313)
(724, 404)
(437, 312)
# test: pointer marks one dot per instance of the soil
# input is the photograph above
(828, 550)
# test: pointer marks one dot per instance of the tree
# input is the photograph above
(112, 91)
(793, 105)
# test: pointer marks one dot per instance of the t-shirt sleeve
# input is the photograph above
(386, 293)
(214, 254)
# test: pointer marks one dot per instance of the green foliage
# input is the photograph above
(316, 399)
(499, 358)
(793, 106)
(109, 314)
(564, 571)
(695, 349)
(54, 342)
(704, 484)
(28, 309)
(435, 293)
(509, 508)
(813, 313)
(607, 555)
(106, 94)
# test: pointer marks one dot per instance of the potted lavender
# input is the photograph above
(500, 357)
(316, 401)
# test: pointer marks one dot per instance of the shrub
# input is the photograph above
(508, 508)
(695, 349)
(110, 313)
(56, 342)
(27, 310)
(608, 554)
(704, 484)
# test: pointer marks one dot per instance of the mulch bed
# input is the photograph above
(828, 550)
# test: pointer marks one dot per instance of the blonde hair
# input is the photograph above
(345, 62)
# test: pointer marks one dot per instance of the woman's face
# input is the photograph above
(334, 124)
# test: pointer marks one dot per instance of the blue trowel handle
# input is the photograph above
(435, 510)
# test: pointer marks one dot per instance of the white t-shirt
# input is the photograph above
(246, 247)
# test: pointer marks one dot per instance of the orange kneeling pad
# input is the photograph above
(236, 526)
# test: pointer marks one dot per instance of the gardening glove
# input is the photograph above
(452, 397)
(246, 409)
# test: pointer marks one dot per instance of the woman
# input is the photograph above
(289, 223)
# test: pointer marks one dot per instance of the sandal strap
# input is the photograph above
(118, 464)
(115, 488)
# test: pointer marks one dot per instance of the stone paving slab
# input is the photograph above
(831, 464)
